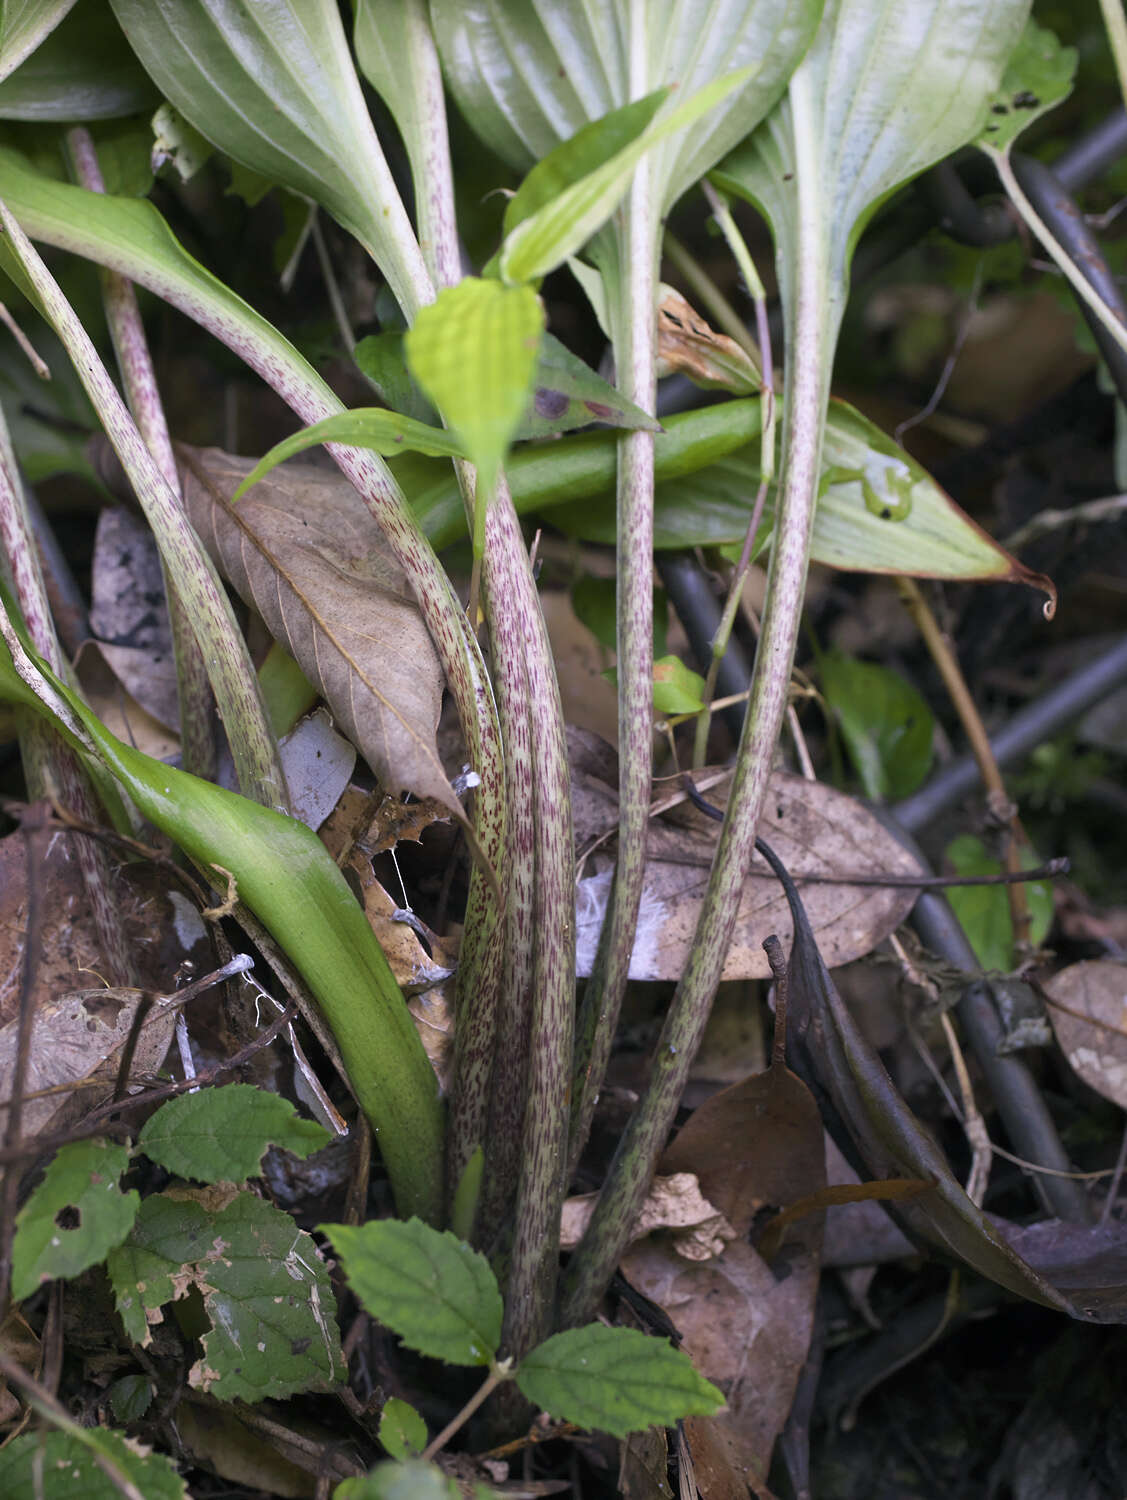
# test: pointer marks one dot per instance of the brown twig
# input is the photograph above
(943, 655)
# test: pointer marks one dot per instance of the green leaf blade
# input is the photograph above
(564, 223)
(265, 1289)
(1038, 77)
(74, 1473)
(222, 1134)
(474, 353)
(887, 726)
(402, 1431)
(384, 432)
(413, 1480)
(615, 1380)
(81, 1185)
(430, 1288)
(984, 910)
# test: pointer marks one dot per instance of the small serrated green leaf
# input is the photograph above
(265, 1289)
(886, 725)
(220, 1135)
(984, 910)
(372, 427)
(154, 1265)
(1038, 76)
(402, 1431)
(62, 1466)
(76, 1214)
(616, 1380)
(413, 1480)
(474, 353)
(430, 1288)
(677, 688)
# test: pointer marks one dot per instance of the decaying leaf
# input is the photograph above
(1089, 1016)
(674, 1202)
(874, 1126)
(426, 978)
(304, 551)
(817, 831)
(687, 345)
(80, 1026)
(755, 1146)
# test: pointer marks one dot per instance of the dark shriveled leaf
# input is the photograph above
(861, 1104)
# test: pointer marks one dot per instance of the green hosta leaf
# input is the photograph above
(616, 1380)
(221, 1135)
(286, 877)
(76, 1214)
(887, 726)
(385, 432)
(265, 1290)
(430, 1288)
(402, 1431)
(413, 1480)
(984, 910)
(1038, 77)
(61, 1466)
(565, 222)
(677, 688)
(24, 24)
(591, 147)
(84, 70)
(575, 68)
(474, 351)
(273, 85)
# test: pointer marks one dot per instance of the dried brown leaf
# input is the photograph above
(816, 831)
(1089, 1016)
(674, 1202)
(303, 549)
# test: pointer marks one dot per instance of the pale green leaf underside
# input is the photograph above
(221, 1135)
(82, 1179)
(23, 26)
(273, 85)
(430, 1288)
(529, 76)
(886, 90)
(709, 504)
(615, 1380)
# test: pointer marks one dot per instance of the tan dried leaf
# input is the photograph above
(687, 345)
(1089, 1016)
(303, 549)
(814, 829)
(674, 1202)
(427, 978)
